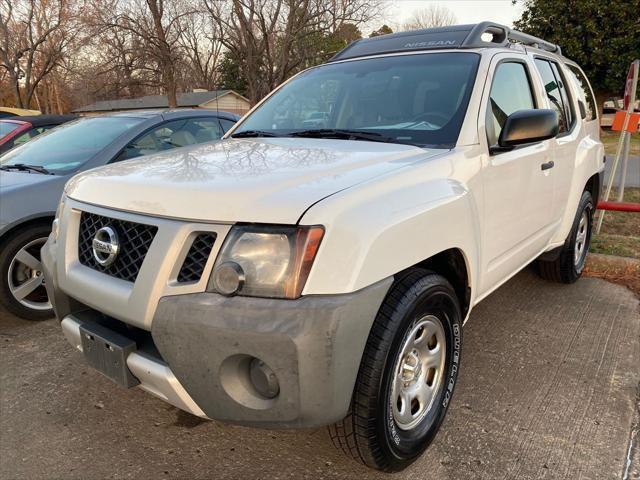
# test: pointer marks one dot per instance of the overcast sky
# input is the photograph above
(466, 11)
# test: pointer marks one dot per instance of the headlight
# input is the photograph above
(265, 261)
(55, 226)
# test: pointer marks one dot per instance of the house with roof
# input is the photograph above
(227, 100)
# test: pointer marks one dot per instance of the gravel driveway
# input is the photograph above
(548, 389)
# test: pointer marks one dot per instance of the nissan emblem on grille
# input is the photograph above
(105, 246)
(133, 239)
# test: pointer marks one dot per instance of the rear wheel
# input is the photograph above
(568, 265)
(407, 375)
(22, 290)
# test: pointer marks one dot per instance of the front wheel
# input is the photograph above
(568, 266)
(407, 375)
(22, 290)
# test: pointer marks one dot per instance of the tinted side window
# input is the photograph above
(510, 92)
(25, 137)
(226, 124)
(564, 92)
(205, 129)
(584, 92)
(175, 134)
(45, 128)
(556, 93)
(34, 132)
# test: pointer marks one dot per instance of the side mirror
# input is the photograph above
(528, 126)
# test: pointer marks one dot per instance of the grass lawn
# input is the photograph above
(612, 269)
(620, 234)
(610, 140)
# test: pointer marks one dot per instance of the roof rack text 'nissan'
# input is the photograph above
(481, 35)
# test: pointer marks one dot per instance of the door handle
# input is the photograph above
(547, 166)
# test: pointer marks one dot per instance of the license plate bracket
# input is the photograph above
(107, 352)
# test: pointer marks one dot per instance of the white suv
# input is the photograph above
(290, 277)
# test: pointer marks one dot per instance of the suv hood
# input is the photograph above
(270, 180)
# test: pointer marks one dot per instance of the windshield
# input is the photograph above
(7, 127)
(414, 99)
(70, 145)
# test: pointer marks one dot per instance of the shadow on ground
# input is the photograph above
(547, 390)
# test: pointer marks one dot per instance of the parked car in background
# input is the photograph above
(609, 114)
(33, 175)
(17, 130)
(17, 112)
(606, 119)
(316, 119)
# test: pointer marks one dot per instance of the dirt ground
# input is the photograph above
(548, 389)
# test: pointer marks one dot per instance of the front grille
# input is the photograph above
(196, 258)
(134, 239)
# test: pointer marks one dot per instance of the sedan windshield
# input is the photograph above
(7, 127)
(67, 147)
(413, 99)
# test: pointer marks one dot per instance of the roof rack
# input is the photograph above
(481, 35)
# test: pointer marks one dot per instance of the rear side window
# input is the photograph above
(510, 92)
(584, 91)
(7, 127)
(556, 93)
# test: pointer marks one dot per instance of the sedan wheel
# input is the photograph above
(25, 278)
(22, 284)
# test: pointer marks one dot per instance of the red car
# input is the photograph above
(17, 130)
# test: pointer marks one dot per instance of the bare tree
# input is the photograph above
(34, 35)
(123, 66)
(434, 15)
(273, 39)
(157, 27)
(202, 50)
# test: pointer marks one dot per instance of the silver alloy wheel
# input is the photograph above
(25, 278)
(580, 249)
(418, 372)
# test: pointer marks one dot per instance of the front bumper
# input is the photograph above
(313, 345)
(205, 341)
(154, 375)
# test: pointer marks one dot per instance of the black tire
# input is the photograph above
(565, 268)
(32, 234)
(370, 433)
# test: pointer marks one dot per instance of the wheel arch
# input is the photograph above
(13, 228)
(452, 264)
(594, 186)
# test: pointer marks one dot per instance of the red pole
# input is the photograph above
(619, 206)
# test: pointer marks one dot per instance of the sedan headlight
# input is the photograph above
(265, 261)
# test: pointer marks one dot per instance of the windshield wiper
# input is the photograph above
(253, 133)
(342, 133)
(23, 167)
